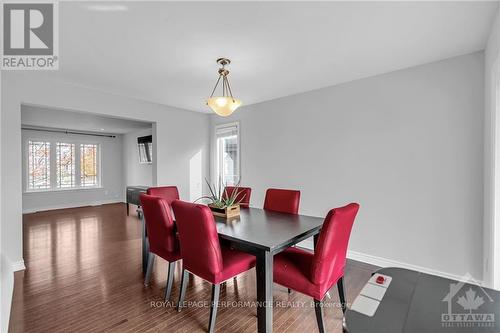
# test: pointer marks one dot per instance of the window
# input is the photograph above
(88, 164)
(55, 165)
(38, 165)
(228, 153)
(65, 164)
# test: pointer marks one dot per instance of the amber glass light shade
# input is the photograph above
(223, 106)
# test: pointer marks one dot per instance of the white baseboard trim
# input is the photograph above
(7, 286)
(384, 262)
(66, 206)
(18, 266)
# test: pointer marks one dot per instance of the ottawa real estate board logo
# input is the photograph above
(30, 36)
(468, 306)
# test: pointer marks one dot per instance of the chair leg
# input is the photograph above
(318, 308)
(340, 287)
(182, 293)
(170, 280)
(213, 307)
(149, 271)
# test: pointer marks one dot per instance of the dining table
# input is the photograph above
(263, 234)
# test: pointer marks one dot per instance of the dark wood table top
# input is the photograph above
(416, 302)
(269, 231)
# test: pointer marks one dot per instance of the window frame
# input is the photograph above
(27, 165)
(98, 167)
(53, 164)
(216, 150)
(75, 145)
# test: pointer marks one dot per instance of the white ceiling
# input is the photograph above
(165, 51)
(34, 116)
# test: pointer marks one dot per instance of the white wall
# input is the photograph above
(492, 159)
(112, 188)
(136, 173)
(7, 284)
(6, 277)
(407, 145)
(181, 136)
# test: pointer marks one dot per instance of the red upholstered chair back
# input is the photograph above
(200, 248)
(243, 195)
(331, 249)
(283, 201)
(169, 193)
(159, 224)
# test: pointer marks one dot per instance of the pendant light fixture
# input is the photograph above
(226, 104)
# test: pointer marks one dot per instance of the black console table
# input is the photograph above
(133, 193)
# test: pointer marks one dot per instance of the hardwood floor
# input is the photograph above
(84, 275)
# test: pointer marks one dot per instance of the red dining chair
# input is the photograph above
(315, 273)
(169, 193)
(163, 241)
(283, 201)
(202, 254)
(243, 195)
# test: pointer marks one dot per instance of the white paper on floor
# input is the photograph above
(371, 295)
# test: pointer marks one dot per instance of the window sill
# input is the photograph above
(75, 189)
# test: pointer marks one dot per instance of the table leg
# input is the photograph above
(264, 269)
(315, 240)
(145, 246)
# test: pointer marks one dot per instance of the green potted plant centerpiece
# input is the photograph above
(222, 203)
